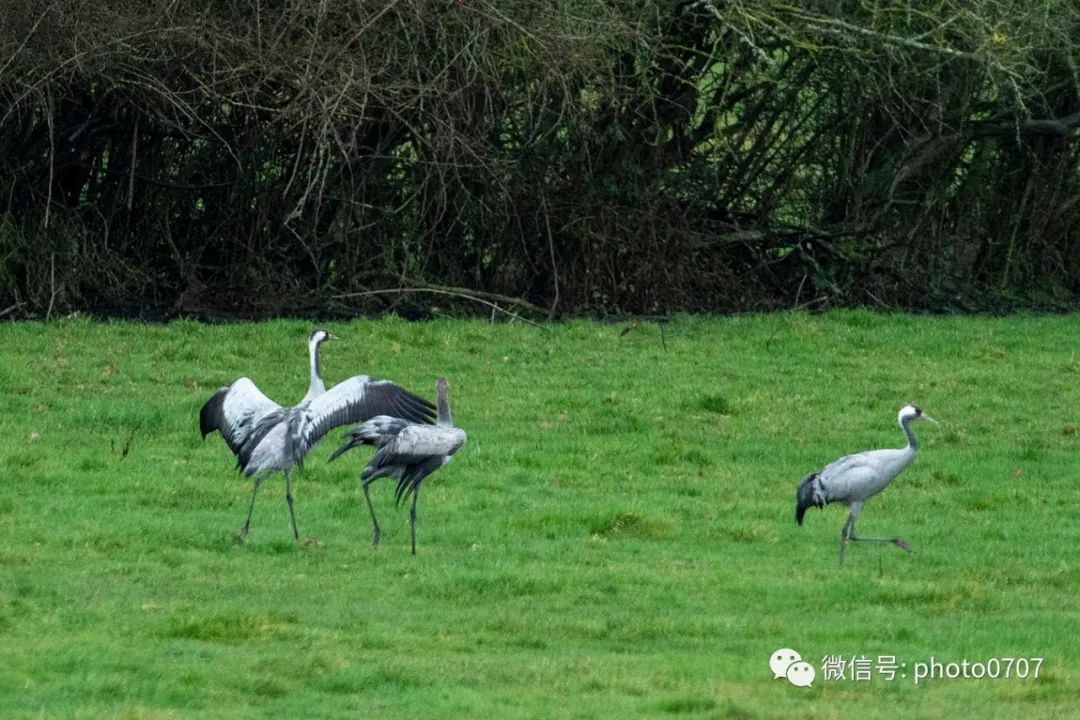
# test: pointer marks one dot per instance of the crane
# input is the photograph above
(406, 451)
(266, 437)
(854, 478)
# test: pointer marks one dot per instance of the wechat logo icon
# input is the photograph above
(788, 663)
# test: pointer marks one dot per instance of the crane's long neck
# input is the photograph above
(912, 444)
(317, 387)
(442, 402)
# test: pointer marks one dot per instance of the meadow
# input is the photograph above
(615, 540)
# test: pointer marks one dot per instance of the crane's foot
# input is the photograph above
(897, 541)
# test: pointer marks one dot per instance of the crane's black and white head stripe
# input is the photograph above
(913, 412)
(320, 336)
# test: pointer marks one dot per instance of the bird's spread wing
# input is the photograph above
(234, 411)
(355, 400)
(843, 478)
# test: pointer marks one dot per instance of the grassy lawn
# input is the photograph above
(615, 540)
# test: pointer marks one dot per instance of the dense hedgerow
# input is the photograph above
(584, 157)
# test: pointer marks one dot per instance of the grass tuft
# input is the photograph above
(686, 705)
(630, 525)
(715, 404)
(229, 627)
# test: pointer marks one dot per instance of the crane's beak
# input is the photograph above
(924, 416)
(332, 337)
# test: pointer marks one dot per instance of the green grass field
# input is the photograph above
(616, 540)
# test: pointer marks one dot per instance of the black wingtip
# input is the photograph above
(405, 487)
(804, 498)
(421, 410)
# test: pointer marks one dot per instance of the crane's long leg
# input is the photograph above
(375, 533)
(897, 541)
(412, 516)
(289, 499)
(848, 531)
(251, 509)
(849, 526)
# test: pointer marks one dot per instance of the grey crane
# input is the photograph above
(266, 437)
(854, 478)
(406, 451)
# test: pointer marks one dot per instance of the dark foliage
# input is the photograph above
(585, 157)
